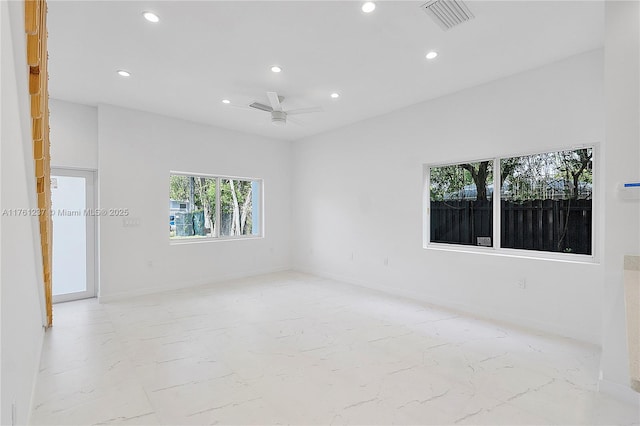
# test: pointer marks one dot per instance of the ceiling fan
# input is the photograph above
(279, 115)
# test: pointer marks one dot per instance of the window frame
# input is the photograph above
(216, 238)
(496, 248)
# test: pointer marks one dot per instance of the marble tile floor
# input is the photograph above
(290, 348)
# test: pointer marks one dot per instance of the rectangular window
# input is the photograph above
(461, 208)
(545, 202)
(203, 207)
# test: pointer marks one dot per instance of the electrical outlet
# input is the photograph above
(522, 283)
(386, 261)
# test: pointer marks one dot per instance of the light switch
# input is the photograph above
(131, 222)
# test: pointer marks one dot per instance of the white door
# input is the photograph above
(74, 235)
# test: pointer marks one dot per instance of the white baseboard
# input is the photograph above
(187, 284)
(583, 336)
(620, 392)
(35, 375)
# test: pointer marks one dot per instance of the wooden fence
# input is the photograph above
(546, 225)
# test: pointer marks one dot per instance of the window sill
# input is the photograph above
(204, 240)
(584, 259)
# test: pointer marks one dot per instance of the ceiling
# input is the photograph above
(202, 52)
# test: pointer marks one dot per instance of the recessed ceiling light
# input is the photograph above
(226, 101)
(151, 17)
(124, 73)
(276, 68)
(368, 7)
(335, 95)
(432, 54)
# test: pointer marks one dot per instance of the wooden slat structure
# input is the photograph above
(37, 59)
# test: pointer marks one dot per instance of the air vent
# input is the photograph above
(447, 13)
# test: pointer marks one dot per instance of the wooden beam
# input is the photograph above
(35, 83)
(36, 106)
(40, 174)
(38, 150)
(37, 58)
(33, 50)
(31, 15)
(37, 132)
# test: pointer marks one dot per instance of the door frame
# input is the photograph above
(90, 177)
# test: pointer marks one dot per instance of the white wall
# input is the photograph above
(136, 152)
(21, 275)
(74, 135)
(358, 192)
(622, 163)
(3, 23)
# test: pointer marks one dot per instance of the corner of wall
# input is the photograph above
(622, 162)
(21, 285)
(619, 392)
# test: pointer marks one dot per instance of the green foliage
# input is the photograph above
(553, 175)
(449, 182)
(236, 204)
(179, 188)
(226, 198)
(200, 192)
(242, 191)
(447, 179)
(205, 196)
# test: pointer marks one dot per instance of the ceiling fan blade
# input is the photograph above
(294, 121)
(263, 107)
(274, 100)
(304, 110)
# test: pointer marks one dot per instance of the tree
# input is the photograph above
(507, 167)
(479, 173)
(548, 175)
(236, 201)
(447, 180)
(206, 191)
(235, 224)
(573, 165)
(178, 188)
(554, 175)
(199, 192)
